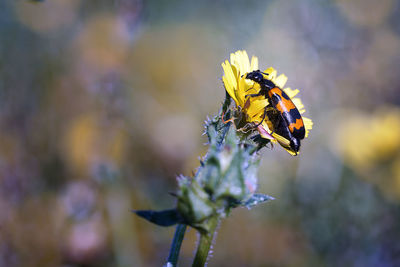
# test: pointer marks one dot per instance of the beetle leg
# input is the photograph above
(265, 113)
(254, 95)
(226, 121)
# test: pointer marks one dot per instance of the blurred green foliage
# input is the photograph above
(102, 104)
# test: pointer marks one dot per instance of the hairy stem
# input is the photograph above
(204, 246)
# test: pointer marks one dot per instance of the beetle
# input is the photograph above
(284, 116)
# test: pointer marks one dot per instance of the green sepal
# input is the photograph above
(256, 199)
(231, 184)
(194, 204)
(209, 174)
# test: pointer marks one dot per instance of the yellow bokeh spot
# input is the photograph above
(104, 42)
(79, 141)
(88, 140)
(370, 144)
(367, 139)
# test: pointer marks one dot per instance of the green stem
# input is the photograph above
(204, 246)
(176, 245)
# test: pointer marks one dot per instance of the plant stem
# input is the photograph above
(204, 246)
(176, 244)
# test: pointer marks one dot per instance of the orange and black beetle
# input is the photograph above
(285, 117)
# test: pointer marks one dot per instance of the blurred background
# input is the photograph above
(102, 104)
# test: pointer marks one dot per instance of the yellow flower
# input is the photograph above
(238, 87)
(369, 143)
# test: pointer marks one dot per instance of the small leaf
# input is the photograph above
(162, 218)
(256, 199)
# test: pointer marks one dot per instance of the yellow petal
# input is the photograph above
(285, 143)
(233, 57)
(299, 105)
(245, 63)
(280, 81)
(241, 60)
(265, 132)
(229, 72)
(291, 93)
(235, 60)
(257, 106)
(271, 73)
(241, 91)
(235, 72)
(229, 81)
(308, 124)
(230, 89)
(254, 63)
(266, 127)
(291, 152)
(282, 140)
